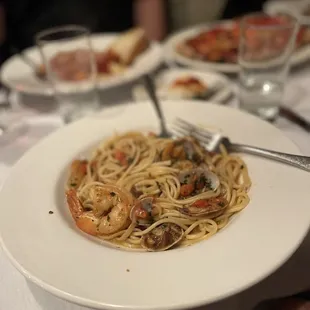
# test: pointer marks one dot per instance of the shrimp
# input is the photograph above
(78, 171)
(115, 221)
(109, 220)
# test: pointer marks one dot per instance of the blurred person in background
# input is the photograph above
(21, 20)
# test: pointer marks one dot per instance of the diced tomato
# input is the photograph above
(79, 166)
(141, 213)
(202, 203)
(121, 157)
(186, 189)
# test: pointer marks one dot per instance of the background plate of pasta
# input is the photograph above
(106, 214)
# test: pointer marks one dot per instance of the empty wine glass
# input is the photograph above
(69, 62)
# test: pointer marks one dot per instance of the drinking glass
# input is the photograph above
(70, 65)
(266, 44)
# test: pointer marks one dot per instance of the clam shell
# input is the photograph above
(162, 237)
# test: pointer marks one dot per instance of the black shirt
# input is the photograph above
(237, 8)
(25, 18)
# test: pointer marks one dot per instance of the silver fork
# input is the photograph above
(151, 91)
(212, 141)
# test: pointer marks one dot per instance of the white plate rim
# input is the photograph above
(171, 56)
(153, 54)
(89, 303)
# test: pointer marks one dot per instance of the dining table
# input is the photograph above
(38, 118)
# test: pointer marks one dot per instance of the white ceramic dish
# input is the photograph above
(210, 79)
(16, 74)
(171, 56)
(50, 251)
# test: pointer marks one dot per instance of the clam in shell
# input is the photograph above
(208, 208)
(162, 237)
(201, 176)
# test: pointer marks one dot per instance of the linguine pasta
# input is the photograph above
(141, 191)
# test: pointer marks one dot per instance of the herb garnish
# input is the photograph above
(186, 179)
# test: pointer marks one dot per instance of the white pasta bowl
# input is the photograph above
(50, 251)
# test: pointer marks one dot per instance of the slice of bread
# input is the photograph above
(130, 44)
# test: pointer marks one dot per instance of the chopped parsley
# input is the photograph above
(186, 179)
(73, 184)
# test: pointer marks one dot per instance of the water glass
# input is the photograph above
(266, 44)
(69, 62)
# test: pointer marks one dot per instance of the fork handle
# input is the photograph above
(302, 162)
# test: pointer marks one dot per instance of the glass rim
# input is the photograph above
(293, 21)
(40, 36)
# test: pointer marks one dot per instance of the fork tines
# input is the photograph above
(183, 128)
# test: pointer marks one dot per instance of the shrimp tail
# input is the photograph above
(78, 170)
(84, 221)
(74, 204)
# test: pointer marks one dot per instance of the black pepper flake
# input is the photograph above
(50, 212)
(127, 270)
(112, 194)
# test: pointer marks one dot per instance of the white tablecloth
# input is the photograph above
(18, 294)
